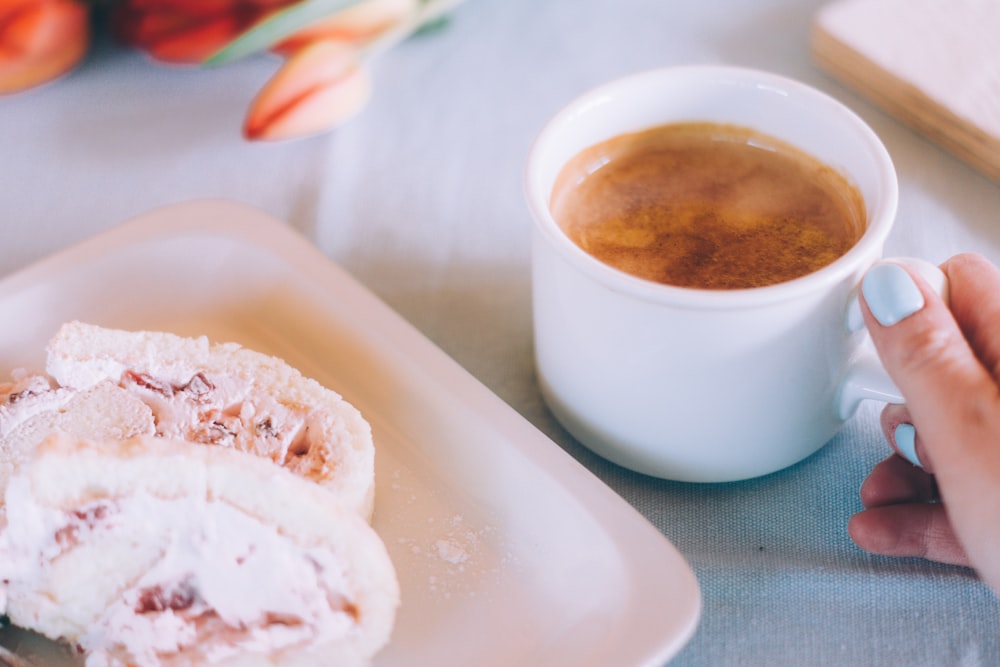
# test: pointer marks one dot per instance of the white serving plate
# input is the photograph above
(508, 551)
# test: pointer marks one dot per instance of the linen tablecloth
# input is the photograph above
(420, 198)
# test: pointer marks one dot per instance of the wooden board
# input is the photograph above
(933, 64)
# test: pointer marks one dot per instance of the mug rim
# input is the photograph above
(855, 259)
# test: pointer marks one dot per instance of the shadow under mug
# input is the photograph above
(692, 384)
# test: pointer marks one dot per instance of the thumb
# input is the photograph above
(926, 353)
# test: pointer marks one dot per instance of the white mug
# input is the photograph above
(693, 384)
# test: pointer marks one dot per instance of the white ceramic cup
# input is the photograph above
(705, 385)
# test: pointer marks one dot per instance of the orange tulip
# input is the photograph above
(40, 40)
(322, 83)
(320, 86)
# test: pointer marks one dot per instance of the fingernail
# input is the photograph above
(891, 293)
(906, 442)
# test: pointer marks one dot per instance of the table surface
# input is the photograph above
(420, 199)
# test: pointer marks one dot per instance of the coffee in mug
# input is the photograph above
(707, 205)
(706, 385)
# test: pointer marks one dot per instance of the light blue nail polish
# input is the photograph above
(906, 442)
(891, 293)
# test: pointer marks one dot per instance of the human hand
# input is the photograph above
(946, 363)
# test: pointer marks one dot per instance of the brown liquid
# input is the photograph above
(708, 206)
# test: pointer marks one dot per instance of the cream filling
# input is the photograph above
(225, 583)
(225, 410)
(217, 409)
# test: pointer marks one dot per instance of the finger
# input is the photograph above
(894, 414)
(911, 530)
(975, 306)
(895, 481)
(897, 425)
(953, 398)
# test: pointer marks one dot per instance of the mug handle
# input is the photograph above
(866, 377)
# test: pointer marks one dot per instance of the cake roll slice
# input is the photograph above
(152, 552)
(227, 395)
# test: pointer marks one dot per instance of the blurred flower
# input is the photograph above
(187, 31)
(321, 85)
(40, 40)
(326, 45)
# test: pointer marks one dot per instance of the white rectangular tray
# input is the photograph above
(508, 551)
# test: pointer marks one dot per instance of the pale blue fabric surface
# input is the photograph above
(783, 584)
(420, 198)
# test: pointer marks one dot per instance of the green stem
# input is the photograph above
(430, 11)
(290, 20)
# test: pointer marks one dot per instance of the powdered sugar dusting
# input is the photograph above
(449, 554)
